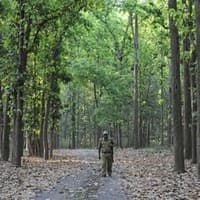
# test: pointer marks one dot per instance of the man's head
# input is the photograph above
(105, 134)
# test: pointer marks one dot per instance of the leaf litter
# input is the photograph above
(147, 174)
(143, 174)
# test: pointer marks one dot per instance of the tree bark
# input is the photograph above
(120, 135)
(78, 122)
(97, 127)
(194, 108)
(162, 104)
(52, 142)
(73, 120)
(197, 9)
(135, 79)
(176, 91)
(140, 129)
(45, 130)
(148, 133)
(187, 97)
(6, 131)
(1, 121)
(42, 114)
(23, 39)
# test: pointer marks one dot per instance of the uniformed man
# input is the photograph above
(106, 150)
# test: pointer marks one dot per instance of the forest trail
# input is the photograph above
(75, 175)
(86, 182)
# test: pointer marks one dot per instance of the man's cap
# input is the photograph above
(105, 132)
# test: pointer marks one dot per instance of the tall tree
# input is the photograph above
(134, 29)
(1, 119)
(194, 107)
(73, 119)
(197, 9)
(176, 89)
(20, 79)
(6, 130)
(45, 127)
(187, 97)
(162, 103)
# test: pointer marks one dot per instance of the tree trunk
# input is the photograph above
(23, 37)
(187, 113)
(52, 133)
(73, 120)
(1, 121)
(97, 127)
(187, 97)
(128, 133)
(194, 108)
(170, 121)
(45, 130)
(116, 134)
(30, 145)
(148, 133)
(6, 131)
(78, 122)
(135, 78)
(120, 135)
(57, 144)
(162, 104)
(144, 134)
(141, 133)
(84, 130)
(13, 129)
(18, 130)
(42, 113)
(197, 8)
(176, 91)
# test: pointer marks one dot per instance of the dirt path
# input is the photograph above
(75, 175)
(86, 183)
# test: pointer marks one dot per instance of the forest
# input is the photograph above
(70, 69)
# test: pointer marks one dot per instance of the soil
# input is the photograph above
(76, 175)
(85, 183)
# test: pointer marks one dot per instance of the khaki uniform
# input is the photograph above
(106, 148)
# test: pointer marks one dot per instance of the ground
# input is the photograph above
(75, 175)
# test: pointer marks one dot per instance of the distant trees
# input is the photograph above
(30, 97)
(76, 69)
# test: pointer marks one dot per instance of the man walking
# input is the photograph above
(106, 149)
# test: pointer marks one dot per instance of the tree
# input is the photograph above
(197, 9)
(134, 29)
(6, 130)
(176, 88)
(20, 80)
(187, 93)
(99, 49)
(34, 18)
(1, 120)
(194, 106)
(107, 69)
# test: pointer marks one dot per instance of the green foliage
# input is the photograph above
(76, 47)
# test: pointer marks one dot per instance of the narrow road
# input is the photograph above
(86, 183)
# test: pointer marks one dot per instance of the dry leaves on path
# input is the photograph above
(149, 175)
(34, 176)
(143, 174)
